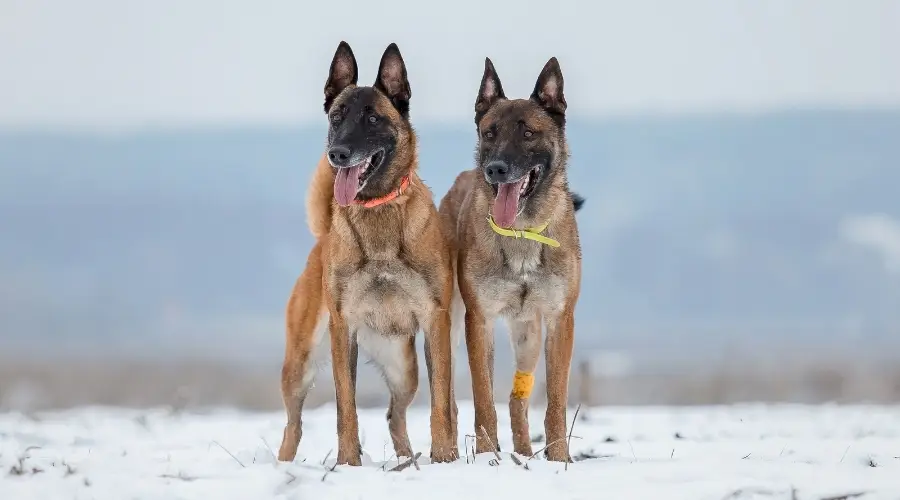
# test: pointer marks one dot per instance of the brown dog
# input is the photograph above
(380, 269)
(511, 220)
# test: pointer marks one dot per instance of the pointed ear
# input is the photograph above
(392, 79)
(548, 91)
(342, 74)
(490, 91)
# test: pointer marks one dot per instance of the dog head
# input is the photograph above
(521, 149)
(370, 139)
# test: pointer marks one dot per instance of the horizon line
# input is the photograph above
(95, 130)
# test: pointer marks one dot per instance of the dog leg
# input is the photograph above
(526, 343)
(307, 322)
(560, 340)
(354, 360)
(297, 377)
(349, 450)
(454, 409)
(437, 342)
(480, 346)
(399, 364)
(457, 331)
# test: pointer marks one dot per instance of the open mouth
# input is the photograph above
(370, 165)
(349, 181)
(508, 197)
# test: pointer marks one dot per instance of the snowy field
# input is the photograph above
(739, 452)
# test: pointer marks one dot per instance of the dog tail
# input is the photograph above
(318, 199)
(577, 200)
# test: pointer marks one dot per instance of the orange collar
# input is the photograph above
(388, 197)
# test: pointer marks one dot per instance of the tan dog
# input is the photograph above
(515, 243)
(380, 269)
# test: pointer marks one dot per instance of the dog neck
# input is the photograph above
(404, 184)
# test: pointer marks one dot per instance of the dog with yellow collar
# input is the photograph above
(516, 253)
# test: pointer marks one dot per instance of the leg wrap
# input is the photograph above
(523, 383)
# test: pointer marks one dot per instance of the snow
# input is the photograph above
(739, 452)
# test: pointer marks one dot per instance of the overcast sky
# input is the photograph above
(113, 63)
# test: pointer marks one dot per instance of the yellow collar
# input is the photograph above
(532, 233)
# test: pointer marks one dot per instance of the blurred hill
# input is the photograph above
(702, 235)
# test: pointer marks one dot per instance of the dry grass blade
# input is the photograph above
(407, 463)
(518, 462)
(549, 445)
(329, 471)
(384, 465)
(748, 491)
(473, 438)
(181, 476)
(569, 441)
(846, 496)
(19, 469)
(493, 446)
(269, 448)
(232, 454)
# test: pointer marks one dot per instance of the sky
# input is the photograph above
(113, 64)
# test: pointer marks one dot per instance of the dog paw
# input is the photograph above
(558, 454)
(523, 449)
(353, 459)
(444, 454)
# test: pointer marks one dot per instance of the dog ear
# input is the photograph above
(490, 92)
(548, 91)
(342, 74)
(392, 80)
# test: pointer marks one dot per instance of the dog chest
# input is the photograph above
(386, 296)
(521, 292)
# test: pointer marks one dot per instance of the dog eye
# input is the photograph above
(528, 134)
(373, 119)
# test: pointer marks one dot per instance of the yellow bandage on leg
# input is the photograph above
(523, 382)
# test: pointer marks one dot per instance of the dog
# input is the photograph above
(516, 252)
(380, 269)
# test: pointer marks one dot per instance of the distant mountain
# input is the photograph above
(699, 233)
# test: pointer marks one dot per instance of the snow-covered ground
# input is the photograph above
(739, 452)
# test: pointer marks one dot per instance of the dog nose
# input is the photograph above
(497, 171)
(339, 155)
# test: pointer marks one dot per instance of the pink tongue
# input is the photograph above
(507, 204)
(346, 185)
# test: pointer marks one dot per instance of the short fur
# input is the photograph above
(375, 275)
(522, 281)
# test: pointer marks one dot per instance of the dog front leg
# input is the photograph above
(480, 347)
(443, 449)
(526, 341)
(560, 340)
(349, 450)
